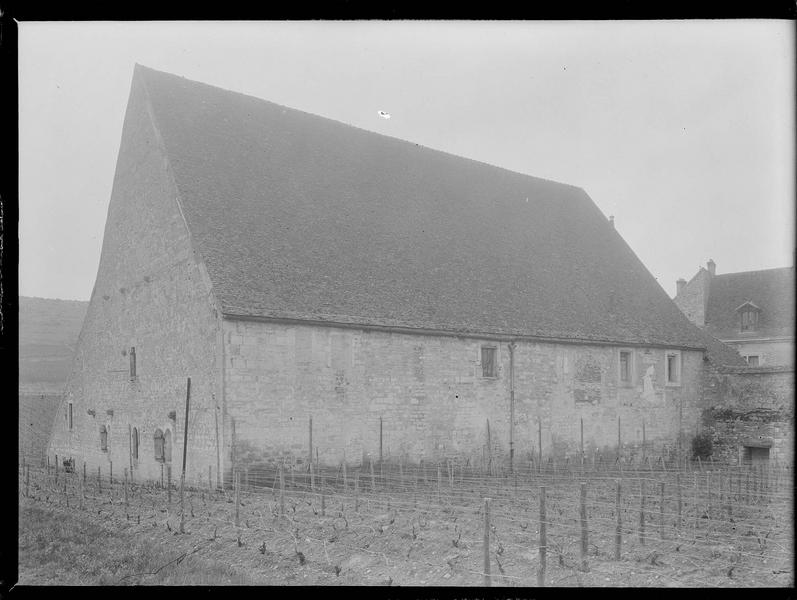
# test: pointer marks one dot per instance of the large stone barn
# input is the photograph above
(336, 291)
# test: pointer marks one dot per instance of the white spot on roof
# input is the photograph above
(383, 114)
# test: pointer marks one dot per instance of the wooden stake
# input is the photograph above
(125, 484)
(694, 503)
(380, 444)
(678, 495)
(618, 532)
(84, 471)
(312, 477)
(728, 497)
(487, 578)
(543, 544)
(323, 497)
(282, 491)
(219, 481)
(169, 484)
(311, 440)
(356, 491)
(373, 480)
(661, 510)
(99, 480)
(489, 450)
(439, 482)
(642, 512)
(708, 491)
(185, 455)
(539, 441)
(644, 442)
(110, 472)
(584, 539)
(345, 479)
(237, 484)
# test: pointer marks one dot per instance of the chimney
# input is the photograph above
(681, 283)
(712, 267)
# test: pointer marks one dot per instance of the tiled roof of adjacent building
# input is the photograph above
(770, 290)
(722, 355)
(301, 217)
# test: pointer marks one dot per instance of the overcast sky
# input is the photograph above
(683, 130)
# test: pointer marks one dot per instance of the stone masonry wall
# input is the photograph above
(770, 353)
(750, 406)
(433, 400)
(151, 293)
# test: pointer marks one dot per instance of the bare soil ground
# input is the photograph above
(398, 537)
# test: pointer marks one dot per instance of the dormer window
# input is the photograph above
(748, 316)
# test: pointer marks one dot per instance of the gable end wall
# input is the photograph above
(151, 293)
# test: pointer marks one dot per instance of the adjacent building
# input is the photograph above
(752, 311)
(340, 294)
(749, 408)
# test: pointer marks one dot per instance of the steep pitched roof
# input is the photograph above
(298, 216)
(771, 290)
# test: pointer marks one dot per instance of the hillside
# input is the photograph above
(48, 333)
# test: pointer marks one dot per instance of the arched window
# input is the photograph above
(167, 446)
(103, 438)
(134, 443)
(158, 445)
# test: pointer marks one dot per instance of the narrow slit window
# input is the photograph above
(489, 367)
(103, 438)
(673, 368)
(133, 362)
(625, 366)
(134, 444)
(167, 446)
(69, 415)
(158, 437)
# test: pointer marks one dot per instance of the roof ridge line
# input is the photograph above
(368, 131)
(755, 271)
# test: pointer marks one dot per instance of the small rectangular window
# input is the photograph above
(158, 445)
(134, 443)
(672, 368)
(752, 360)
(625, 366)
(133, 362)
(489, 367)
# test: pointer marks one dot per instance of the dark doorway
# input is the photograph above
(756, 456)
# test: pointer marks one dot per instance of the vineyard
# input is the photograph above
(701, 525)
